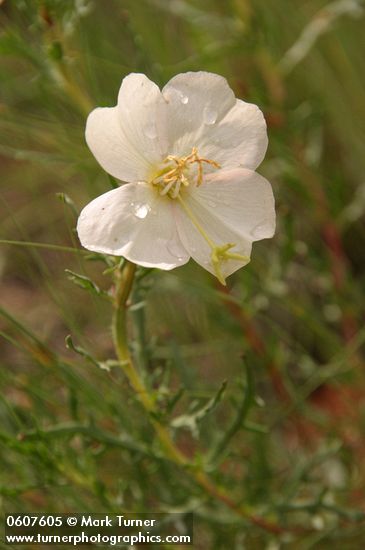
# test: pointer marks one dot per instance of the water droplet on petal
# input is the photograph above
(175, 250)
(211, 204)
(258, 231)
(210, 116)
(142, 210)
(184, 99)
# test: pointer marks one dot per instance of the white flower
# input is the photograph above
(188, 153)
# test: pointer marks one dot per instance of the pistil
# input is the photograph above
(171, 179)
(220, 253)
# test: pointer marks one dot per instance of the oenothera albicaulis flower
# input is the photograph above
(187, 154)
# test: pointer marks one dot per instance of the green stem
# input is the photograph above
(54, 42)
(124, 285)
(72, 90)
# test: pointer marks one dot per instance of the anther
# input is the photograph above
(172, 179)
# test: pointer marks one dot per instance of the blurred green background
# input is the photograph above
(286, 437)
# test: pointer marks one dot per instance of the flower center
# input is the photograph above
(179, 171)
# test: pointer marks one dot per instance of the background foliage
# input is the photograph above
(285, 436)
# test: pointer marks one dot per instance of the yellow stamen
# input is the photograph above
(170, 178)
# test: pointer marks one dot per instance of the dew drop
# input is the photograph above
(211, 204)
(142, 210)
(175, 250)
(210, 116)
(259, 230)
(184, 99)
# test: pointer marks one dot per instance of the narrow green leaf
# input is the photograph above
(85, 282)
(68, 201)
(191, 421)
(104, 365)
(239, 421)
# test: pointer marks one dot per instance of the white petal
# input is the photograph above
(194, 242)
(142, 115)
(133, 221)
(240, 200)
(111, 147)
(196, 101)
(238, 140)
(130, 139)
